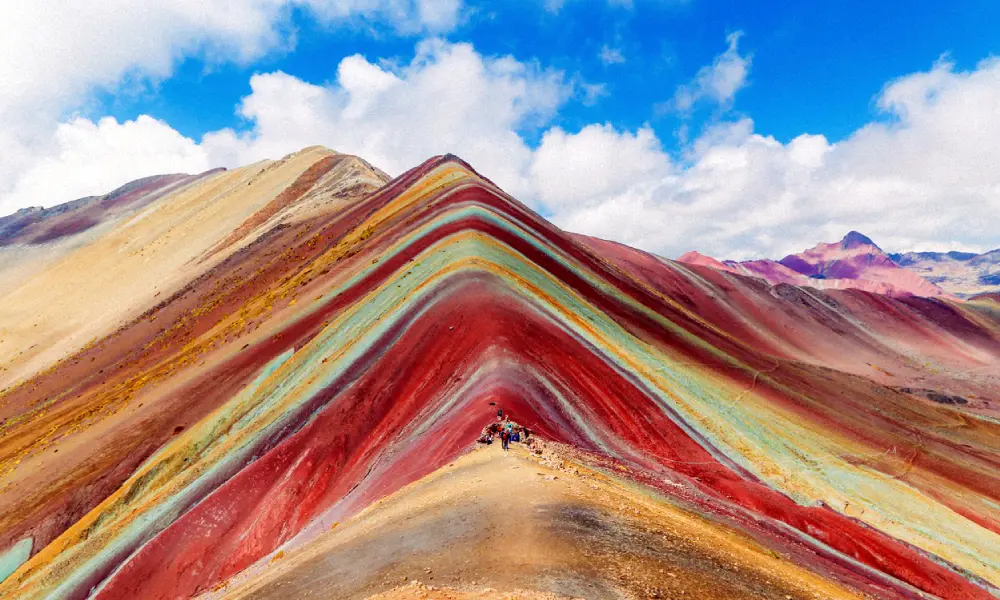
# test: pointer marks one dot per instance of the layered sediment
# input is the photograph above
(334, 343)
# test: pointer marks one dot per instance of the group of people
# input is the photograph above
(507, 430)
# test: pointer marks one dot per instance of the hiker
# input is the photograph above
(505, 438)
(499, 414)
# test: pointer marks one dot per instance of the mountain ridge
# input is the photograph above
(858, 262)
(964, 273)
(853, 262)
(343, 354)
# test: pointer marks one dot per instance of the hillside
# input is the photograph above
(72, 274)
(268, 373)
(855, 262)
(961, 273)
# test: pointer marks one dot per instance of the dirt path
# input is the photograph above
(496, 525)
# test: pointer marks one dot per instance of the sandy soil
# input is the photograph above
(517, 525)
(417, 590)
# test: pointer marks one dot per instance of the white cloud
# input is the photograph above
(576, 172)
(439, 15)
(448, 99)
(719, 81)
(923, 177)
(406, 16)
(53, 55)
(610, 56)
(84, 150)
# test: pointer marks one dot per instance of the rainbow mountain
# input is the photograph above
(269, 382)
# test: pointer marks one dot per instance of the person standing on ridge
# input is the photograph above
(507, 431)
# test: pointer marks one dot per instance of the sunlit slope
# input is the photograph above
(59, 293)
(493, 523)
(348, 352)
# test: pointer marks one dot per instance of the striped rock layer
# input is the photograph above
(355, 341)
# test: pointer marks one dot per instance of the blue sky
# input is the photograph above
(741, 129)
(817, 66)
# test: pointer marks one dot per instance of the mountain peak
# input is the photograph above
(854, 239)
(330, 348)
(697, 258)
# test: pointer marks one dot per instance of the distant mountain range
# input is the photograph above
(857, 262)
(961, 273)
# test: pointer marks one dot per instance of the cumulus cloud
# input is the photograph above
(84, 149)
(717, 82)
(449, 98)
(922, 177)
(439, 15)
(55, 54)
(575, 172)
(910, 179)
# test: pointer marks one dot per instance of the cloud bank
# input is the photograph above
(920, 176)
(55, 55)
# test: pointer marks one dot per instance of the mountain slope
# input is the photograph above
(962, 273)
(463, 510)
(856, 257)
(855, 262)
(357, 348)
(116, 256)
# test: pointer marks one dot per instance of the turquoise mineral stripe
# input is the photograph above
(156, 518)
(14, 557)
(694, 394)
(775, 440)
